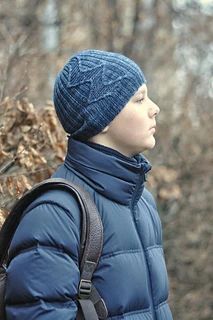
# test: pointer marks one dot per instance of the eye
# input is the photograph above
(141, 99)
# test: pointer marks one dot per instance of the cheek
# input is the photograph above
(132, 125)
(136, 125)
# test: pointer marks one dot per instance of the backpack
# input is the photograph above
(90, 305)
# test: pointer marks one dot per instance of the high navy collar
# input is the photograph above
(112, 174)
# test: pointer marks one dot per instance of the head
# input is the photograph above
(102, 97)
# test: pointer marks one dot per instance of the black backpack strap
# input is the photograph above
(91, 238)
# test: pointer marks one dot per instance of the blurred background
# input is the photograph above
(172, 42)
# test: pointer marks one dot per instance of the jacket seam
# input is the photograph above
(34, 302)
(113, 254)
(131, 312)
(157, 246)
(161, 304)
(51, 248)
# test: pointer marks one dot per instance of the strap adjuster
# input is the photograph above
(84, 289)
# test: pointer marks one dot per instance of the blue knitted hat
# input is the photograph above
(92, 88)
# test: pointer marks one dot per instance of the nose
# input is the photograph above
(157, 109)
(154, 110)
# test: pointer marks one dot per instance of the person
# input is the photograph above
(101, 99)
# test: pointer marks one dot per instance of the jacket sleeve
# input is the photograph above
(43, 273)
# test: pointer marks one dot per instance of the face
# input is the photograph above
(132, 131)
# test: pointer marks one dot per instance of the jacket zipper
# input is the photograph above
(135, 223)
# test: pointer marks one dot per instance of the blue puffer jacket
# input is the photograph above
(43, 273)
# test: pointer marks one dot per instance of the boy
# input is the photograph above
(102, 102)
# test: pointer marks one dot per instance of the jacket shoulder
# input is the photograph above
(53, 220)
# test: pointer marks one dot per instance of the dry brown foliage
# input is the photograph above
(31, 145)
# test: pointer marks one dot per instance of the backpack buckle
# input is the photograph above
(84, 289)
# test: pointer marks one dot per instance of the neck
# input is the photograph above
(109, 144)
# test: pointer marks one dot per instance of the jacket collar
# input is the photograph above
(112, 174)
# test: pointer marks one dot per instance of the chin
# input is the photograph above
(149, 145)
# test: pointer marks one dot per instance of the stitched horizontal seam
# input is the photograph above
(51, 248)
(161, 304)
(34, 302)
(113, 254)
(131, 312)
(154, 247)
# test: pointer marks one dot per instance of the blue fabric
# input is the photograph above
(43, 274)
(92, 88)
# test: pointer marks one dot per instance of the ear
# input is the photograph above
(105, 129)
